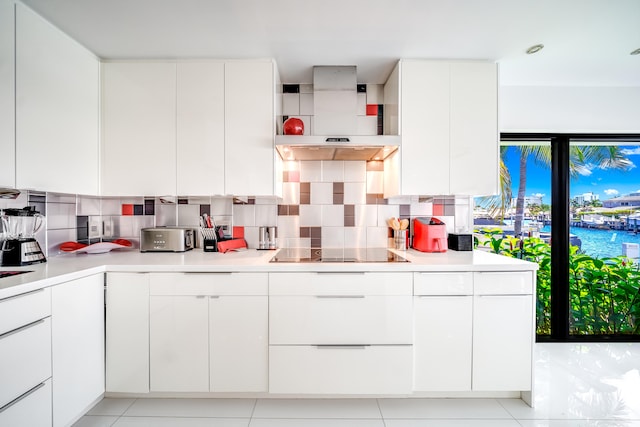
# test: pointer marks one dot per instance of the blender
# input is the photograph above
(19, 246)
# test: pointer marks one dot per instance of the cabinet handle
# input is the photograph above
(21, 328)
(339, 296)
(208, 272)
(22, 295)
(342, 273)
(21, 397)
(200, 296)
(443, 295)
(341, 347)
(502, 295)
(214, 296)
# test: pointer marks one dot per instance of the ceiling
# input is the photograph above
(587, 42)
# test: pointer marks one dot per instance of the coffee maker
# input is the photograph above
(19, 246)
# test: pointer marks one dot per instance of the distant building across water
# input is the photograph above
(630, 200)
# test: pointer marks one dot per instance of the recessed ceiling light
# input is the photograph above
(535, 48)
(635, 52)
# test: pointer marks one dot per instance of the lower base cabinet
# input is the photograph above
(32, 409)
(77, 340)
(336, 369)
(208, 332)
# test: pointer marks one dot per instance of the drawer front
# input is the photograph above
(340, 319)
(443, 283)
(503, 283)
(25, 308)
(209, 284)
(32, 409)
(340, 370)
(25, 359)
(330, 283)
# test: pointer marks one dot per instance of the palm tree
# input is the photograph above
(581, 158)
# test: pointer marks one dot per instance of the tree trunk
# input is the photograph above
(522, 185)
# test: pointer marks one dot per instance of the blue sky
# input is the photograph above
(607, 183)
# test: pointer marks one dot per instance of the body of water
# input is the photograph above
(602, 243)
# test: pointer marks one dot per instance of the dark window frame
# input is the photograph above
(560, 181)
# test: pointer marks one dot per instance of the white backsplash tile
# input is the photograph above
(88, 205)
(188, 215)
(139, 222)
(251, 236)
(332, 216)
(367, 125)
(123, 226)
(306, 104)
(266, 215)
(291, 165)
(385, 212)
(290, 104)
(310, 215)
(332, 171)
(288, 226)
(333, 237)
(375, 182)
(421, 209)
(362, 105)
(366, 215)
(61, 198)
(377, 237)
(306, 88)
(55, 237)
(306, 123)
(166, 215)
(355, 193)
(290, 193)
(321, 193)
(311, 171)
(221, 206)
(60, 215)
(355, 237)
(111, 206)
(244, 215)
(355, 171)
(375, 94)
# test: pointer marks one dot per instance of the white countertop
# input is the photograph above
(67, 267)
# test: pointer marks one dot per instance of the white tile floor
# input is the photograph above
(577, 385)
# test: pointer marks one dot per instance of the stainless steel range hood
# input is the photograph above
(335, 123)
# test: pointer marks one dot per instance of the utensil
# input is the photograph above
(404, 224)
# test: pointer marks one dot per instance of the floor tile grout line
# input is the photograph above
(380, 410)
(253, 411)
(507, 410)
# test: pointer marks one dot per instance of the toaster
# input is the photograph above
(429, 235)
(167, 239)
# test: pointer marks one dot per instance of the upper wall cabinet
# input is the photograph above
(448, 117)
(200, 128)
(7, 106)
(138, 129)
(250, 158)
(57, 108)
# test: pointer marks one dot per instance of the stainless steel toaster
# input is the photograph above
(167, 239)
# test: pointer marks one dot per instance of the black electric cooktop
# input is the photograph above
(293, 255)
(12, 273)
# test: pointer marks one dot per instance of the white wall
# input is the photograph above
(569, 109)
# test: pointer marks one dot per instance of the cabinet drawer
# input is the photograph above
(24, 308)
(340, 319)
(31, 409)
(503, 283)
(25, 359)
(340, 370)
(330, 283)
(443, 283)
(209, 283)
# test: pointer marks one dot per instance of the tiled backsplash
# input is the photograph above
(331, 204)
(297, 101)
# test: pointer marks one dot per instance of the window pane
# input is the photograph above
(605, 216)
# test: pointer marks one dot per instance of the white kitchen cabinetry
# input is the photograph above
(340, 333)
(208, 332)
(7, 95)
(200, 128)
(25, 359)
(127, 333)
(503, 328)
(443, 306)
(250, 156)
(138, 129)
(448, 122)
(57, 109)
(77, 337)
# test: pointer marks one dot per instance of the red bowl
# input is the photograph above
(293, 126)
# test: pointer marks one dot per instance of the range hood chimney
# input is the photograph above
(335, 100)
(335, 122)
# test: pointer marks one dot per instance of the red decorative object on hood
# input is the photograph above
(293, 126)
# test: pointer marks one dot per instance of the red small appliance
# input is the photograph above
(429, 235)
